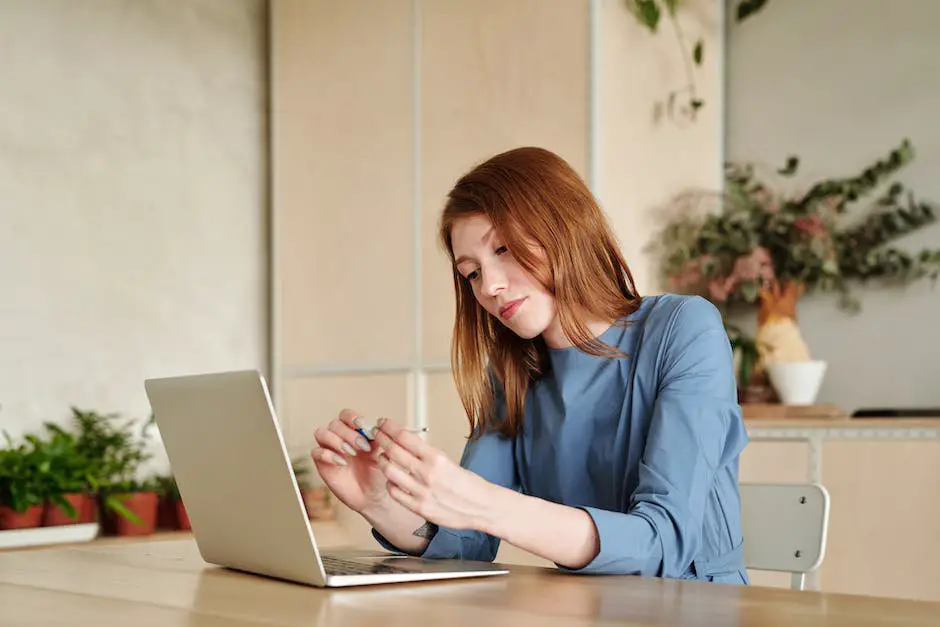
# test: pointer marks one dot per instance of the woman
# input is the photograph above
(604, 427)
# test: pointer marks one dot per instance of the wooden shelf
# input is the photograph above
(776, 411)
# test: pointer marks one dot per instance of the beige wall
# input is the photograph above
(132, 199)
(840, 83)
(379, 107)
(644, 164)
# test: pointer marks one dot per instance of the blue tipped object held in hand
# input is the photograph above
(367, 433)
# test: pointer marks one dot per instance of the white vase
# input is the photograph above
(798, 382)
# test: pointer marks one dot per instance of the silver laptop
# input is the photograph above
(233, 470)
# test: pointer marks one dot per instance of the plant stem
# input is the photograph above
(686, 63)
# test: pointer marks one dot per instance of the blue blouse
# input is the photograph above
(648, 446)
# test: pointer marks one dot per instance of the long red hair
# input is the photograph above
(532, 195)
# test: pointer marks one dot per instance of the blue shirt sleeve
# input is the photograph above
(695, 430)
(491, 457)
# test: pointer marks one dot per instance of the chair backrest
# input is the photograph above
(784, 527)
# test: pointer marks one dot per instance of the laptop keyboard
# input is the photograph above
(337, 566)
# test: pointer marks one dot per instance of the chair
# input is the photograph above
(784, 527)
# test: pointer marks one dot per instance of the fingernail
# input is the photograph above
(339, 460)
(358, 422)
(363, 444)
(348, 449)
(380, 422)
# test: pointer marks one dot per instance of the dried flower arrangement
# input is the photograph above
(767, 249)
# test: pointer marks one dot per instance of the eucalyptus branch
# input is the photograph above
(765, 236)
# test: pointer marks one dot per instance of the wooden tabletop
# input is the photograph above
(166, 583)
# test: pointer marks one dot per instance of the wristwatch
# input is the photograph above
(427, 530)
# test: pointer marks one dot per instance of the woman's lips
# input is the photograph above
(508, 310)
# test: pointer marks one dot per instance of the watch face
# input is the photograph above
(427, 530)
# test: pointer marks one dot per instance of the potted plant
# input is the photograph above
(317, 498)
(766, 249)
(172, 511)
(131, 507)
(21, 489)
(69, 482)
(128, 504)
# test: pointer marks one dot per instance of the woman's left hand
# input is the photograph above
(427, 482)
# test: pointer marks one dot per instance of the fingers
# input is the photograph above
(352, 440)
(327, 456)
(339, 440)
(411, 442)
(329, 439)
(408, 501)
(342, 438)
(399, 455)
(351, 420)
(399, 476)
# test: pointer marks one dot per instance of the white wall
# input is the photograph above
(839, 83)
(132, 199)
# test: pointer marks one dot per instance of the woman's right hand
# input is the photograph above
(347, 463)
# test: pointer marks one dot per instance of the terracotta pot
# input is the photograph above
(182, 517)
(9, 519)
(53, 515)
(318, 504)
(90, 512)
(167, 516)
(144, 505)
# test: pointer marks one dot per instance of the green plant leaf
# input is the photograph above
(648, 13)
(116, 505)
(698, 51)
(747, 8)
(59, 500)
(790, 168)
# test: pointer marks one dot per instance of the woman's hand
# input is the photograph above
(348, 465)
(425, 481)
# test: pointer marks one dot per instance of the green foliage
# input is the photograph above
(747, 8)
(746, 349)
(66, 470)
(70, 471)
(114, 452)
(97, 454)
(22, 471)
(116, 456)
(167, 488)
(761, 236)
(302, 471)
(649, 13)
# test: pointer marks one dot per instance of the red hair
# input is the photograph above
(532, 195)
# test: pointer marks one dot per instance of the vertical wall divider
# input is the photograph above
(595, 53)
(417, 410)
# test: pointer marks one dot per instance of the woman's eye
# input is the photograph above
(501, 250)
(473, 275)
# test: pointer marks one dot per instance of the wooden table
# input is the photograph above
(166, 583)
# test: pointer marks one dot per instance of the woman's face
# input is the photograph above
(500, 284)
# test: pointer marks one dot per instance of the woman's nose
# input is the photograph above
(494, 282)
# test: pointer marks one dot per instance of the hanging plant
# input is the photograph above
(649, 13)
